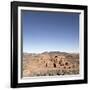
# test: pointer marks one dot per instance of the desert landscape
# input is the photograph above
(50, 44)
(50, 64)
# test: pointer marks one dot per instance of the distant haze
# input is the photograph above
(50, 31)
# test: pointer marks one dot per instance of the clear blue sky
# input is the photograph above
(50, 31)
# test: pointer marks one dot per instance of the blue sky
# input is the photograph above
(50, 31)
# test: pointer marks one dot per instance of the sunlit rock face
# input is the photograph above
(50, 64)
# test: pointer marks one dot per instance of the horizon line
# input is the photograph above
(52, 51)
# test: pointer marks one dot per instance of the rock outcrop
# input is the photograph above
(50, 64)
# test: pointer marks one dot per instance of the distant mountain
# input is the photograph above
(55, 53)
(51, 53)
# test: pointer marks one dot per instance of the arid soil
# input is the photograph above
(50, 64)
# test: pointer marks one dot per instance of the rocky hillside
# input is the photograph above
(50, 64)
